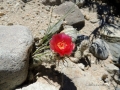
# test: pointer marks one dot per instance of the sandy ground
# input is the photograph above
(36, 17)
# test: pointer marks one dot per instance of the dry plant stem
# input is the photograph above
(113, 77)
(62, 81)
(48, 81)
(64, 62)
(40, 49)
(45, 40)
(100, 62)
(69, 59)
(38, 55)
(49, 22)
(58, 62)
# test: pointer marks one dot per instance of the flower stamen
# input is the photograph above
(61, 45)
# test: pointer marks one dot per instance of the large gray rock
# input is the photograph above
(75, 17)
(111, 34)
(15, 46)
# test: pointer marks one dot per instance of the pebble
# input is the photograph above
(36, 39)
(86, 17)
(47, 8)
(107, 84)
(94, 20)
(42, 32)
(1, 8)
(80, 65)
(104, 77)
(92, 61)
(10, 24)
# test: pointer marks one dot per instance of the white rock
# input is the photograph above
(81, 66)
(39, 86)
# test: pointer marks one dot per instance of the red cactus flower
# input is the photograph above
(62, 44)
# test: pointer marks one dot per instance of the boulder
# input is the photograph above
(74, 17)
(111, 34)
(15, 46)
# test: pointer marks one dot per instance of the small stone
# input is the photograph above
(1, 8)
(47, 8)
(10, 24)
(99, 49)
(111, 68)
(80, 38)
(92, 61)
(94, 8)
(42, 33)
(87, 17)
(36, 39)
(94, 20)
(69, 30)
(107, 84)
(104, 77)
(25, 1)
(79, 3)
(51, 2)
(81, 66)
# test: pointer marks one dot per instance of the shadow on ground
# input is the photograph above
(52, 75)
(108, 10)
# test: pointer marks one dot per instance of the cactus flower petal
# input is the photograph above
(62, 44)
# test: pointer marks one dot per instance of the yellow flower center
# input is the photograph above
(61, 45)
